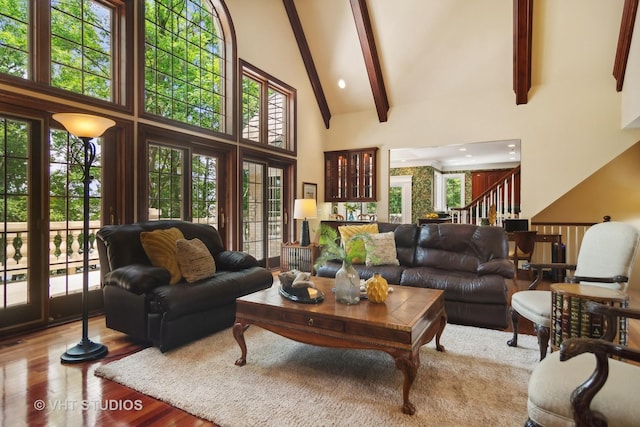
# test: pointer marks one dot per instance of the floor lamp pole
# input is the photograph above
(86, 349)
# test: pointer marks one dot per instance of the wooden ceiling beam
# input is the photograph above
(371, 60)
(310, 66)
(624, 41)
(522, 29)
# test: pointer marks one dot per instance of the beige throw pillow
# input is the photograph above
(381, 249)
(195, 260)
(160, 247)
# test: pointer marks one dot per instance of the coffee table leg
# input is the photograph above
(443, 323)
(408, 364)
(238, 333)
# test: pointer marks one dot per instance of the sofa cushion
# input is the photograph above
(458, 285)
(195, 260)
(160, 247)
(461, 247)
(381, 249)
(349, 231)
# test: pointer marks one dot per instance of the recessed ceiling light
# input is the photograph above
(342, 84)
(511, 145)
(512, 152)
(462, 149)
(468, 155)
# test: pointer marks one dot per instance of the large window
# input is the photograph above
(79, 48)
(14, 38)
(165, 182)
(268, 110)
(171, 170)
(185, 68)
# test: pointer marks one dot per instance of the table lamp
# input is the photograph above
(303, 209)
(85, 127)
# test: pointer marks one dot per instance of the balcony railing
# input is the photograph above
(65, 260)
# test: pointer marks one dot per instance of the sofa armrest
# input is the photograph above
(501, 266)
(234, 261)
(137, 278)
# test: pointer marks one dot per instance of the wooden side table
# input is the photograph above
(293, 256)
(569, 317)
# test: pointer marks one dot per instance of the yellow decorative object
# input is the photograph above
(377, 288)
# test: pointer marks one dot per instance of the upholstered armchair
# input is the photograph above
(605, 259)
(582, 385)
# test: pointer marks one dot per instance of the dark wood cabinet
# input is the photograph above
(350, 175)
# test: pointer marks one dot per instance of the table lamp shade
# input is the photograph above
(303, 209)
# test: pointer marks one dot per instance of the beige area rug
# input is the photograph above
(479, 380)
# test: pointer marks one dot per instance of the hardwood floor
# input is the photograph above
(31, 374)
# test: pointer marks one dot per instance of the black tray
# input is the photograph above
(301, 295)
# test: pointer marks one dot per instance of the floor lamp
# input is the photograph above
(85, 127)
(303, 209)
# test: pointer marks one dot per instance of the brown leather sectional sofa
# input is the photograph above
(468, 262)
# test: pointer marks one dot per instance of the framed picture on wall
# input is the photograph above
(310, 191)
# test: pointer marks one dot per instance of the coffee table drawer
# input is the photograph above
(258, 312)
(313, 321)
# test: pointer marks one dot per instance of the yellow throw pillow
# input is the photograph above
(160, 247)
(348, 231)
(195, 260)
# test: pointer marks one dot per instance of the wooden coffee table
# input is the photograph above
(409, 318)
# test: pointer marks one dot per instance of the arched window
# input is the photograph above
(188, 63)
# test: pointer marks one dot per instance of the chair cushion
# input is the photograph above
(553, 381)
(533, 305)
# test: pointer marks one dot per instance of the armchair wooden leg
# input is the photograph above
(513, 342)
(543, 339)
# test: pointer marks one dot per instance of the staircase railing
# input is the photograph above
(501, 199)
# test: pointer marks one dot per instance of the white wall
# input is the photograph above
(569, 128)
(631, 87)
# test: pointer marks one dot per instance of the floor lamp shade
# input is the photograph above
(86, 127)
(304, 209)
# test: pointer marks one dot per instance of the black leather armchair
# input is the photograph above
(139, 301)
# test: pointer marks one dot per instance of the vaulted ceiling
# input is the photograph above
(401, 52)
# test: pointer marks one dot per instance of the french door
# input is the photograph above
(22, 295)
(41, 223)
(265, 213)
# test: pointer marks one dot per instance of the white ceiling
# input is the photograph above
(480, 155)
(421, 46)
(422, 54)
